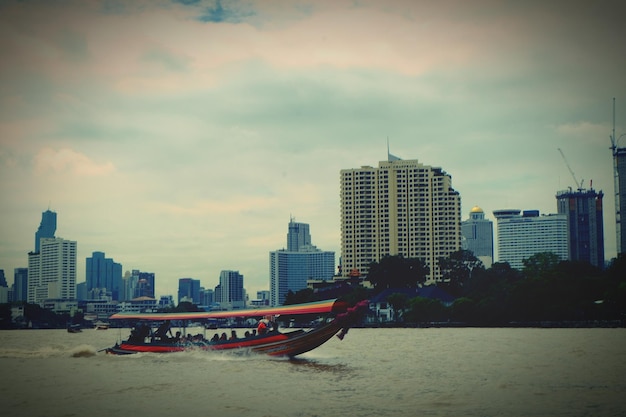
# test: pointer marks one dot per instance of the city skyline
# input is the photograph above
(179, 139)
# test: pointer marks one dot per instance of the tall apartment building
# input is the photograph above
(583, 209)
(477, 235)
(291, 268)
(400, 208)
(103, 274)
(52, 271)
(521, 236)
(230, 292)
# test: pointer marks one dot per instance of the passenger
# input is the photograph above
(223, 337)
(246, 334)
(163, 330)
(262, 326)
(233, 335)
(215, 338)
(176, 338)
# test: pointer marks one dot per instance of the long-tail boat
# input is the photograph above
(267, 340)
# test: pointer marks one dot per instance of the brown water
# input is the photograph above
(372, 372)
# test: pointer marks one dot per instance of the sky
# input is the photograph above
(180, 137)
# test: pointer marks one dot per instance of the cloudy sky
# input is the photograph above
(178, 137)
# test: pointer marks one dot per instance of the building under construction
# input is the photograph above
(583, 209)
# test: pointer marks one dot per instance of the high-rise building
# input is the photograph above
(619, 161)
(400, 208)
(139, 284)
(477, 235)
(619, 179)
(290, 269)
(298, 236)
(583, 209)
(189, 290)
(52, 271)
(230, 292)
(3, 279)
(525, 235)
(20, 284)
(103, 273)
(47, 227)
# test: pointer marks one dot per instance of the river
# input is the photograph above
(372, 372)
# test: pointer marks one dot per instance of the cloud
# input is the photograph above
(68, 161)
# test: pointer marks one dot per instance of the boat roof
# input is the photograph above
(317, 307)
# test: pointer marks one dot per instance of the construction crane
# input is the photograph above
(579, 186)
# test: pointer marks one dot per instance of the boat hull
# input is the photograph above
(273, 344)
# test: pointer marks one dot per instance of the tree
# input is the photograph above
(457, 269)
(399, 302)
(396, 271)
(540, 264)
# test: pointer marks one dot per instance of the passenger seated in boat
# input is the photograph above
(246, 334)
(215, 338)
(262, 327)
(139, 333)
(163, 330)
(223, 336)
(176, 338)
(233, 335)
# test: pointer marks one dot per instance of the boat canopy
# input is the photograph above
(317, 307)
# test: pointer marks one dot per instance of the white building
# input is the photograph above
(52, 271)
(400, 208)
(521, 236)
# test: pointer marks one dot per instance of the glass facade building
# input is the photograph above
(290, 269)
(103, 273)
(47, 227)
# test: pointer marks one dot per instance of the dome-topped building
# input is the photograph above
(478, 236)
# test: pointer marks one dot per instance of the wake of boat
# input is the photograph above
(80, 351)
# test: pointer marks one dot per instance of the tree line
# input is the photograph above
(545, 290)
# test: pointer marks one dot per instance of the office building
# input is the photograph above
(230, 292)
(139, 284)
(47, 227)
(189, 290)
(52, 271)
(103, 274)
(521, 236)
(291, 268)
(583, 209)
(297, 236)
(400, 208)
(20, 284)
(477, 236)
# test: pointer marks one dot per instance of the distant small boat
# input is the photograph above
(74, 328)
(101, 326)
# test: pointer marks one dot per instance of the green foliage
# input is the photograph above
(398, 303)
(397, 272)
(425, 310)
(305, 295)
